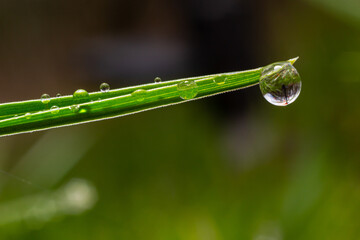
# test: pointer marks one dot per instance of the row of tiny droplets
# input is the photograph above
(187, 90)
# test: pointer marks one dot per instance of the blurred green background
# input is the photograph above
(228, 167)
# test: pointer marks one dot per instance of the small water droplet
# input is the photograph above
(157, 80)
(139, 94)
(74, 108)
(81, 95)
(104, 87)
(187, 89)
(58, 95)
(54, 109)
(27, 115)
(280, 83)
(45, 98)
(219, 80)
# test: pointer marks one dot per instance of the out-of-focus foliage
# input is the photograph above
(204, 170)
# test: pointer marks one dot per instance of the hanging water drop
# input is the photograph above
(104, 87)
(81, 95)
(157, 80)
(139, 95)
(219, 80)
(45, 98)
(187, 89)
(280, 83)
(54, 109)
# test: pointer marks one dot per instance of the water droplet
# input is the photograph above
(27, 115)
(58, 95)
(139, 94)
(157, 80)
(104, 87)
(45, 98)
(188, 89)
(54, 109)
(81, 95)
(280, 83)
(219, 80)
(74, 108)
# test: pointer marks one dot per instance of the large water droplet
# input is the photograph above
(54, 109)
(157, 80)
(104, 87)
(139, 94)
(45, 98)
(81, 95)
(280, 83)
(187, 89)
(219, 80)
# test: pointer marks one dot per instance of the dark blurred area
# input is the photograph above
(228, 167)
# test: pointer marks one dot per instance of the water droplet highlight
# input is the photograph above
(219, 80)
(104, 87)
(139, 94)
(84, 109)
(157, 80)
(81, 95)
(187, 89)
(45, 98)
(54, 109)
(58, 95)
(74, 108)
(280, 83)
(27, 115)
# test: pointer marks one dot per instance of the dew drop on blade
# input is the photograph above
(54, 109)
(45, 98)
(58, 95)
(74, 108)
(280, 83)
(139, 95)
(187, 89)
(27, 115)
(219, 80)
(81, 95)
(104, 87)
(157, 80)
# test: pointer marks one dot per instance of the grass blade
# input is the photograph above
(34, 115)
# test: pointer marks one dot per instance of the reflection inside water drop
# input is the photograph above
(45, 98)
(280, 83)
(104, 87)
(157, 80)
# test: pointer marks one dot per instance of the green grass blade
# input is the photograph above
(33, 115)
